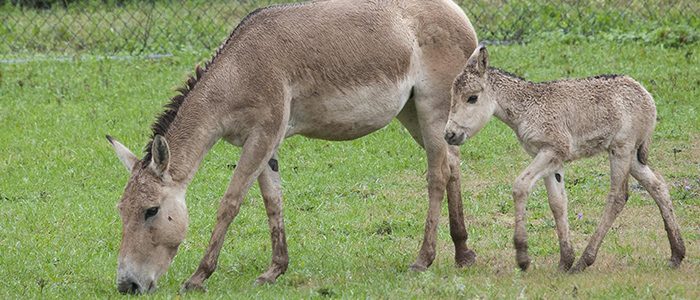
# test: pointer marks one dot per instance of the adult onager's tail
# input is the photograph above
(643, 151)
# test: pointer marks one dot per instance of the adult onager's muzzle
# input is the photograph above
(130, 282)
(129, 285)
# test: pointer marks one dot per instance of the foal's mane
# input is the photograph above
(508, 74)
(166, 118)
(519, 78)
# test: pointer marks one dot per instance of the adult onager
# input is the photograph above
(334, 70)
(562, 121)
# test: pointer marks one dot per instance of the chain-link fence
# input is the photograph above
(109, 27)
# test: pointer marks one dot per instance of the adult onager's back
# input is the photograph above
(561, 121)
(335, 70)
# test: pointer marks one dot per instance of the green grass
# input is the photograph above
(354, 211)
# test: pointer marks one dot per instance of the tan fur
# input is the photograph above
(562, 121)
(335, 70)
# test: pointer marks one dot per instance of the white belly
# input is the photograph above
(347, 114)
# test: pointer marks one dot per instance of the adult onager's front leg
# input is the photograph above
(545, 163)
(271, 190)
(556, 194)
(620, 160)
(257, 150)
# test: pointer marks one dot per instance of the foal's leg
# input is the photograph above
(544, 164)
(556, 194)
(657, 188)
(458, 231)
(271, 189)
(619, 174)
(257, 150)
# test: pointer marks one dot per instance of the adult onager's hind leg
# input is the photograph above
(463, 255)
(657, 188)
(438, 174)
(617, 198)
(556, 194)
(544, 164)
(257, 150)
(432, 108)
(271, 190)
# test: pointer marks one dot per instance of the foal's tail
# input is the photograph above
(643, 151)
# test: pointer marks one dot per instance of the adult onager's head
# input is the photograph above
(154, 218)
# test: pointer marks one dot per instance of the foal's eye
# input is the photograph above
(151, 212)
(472, 99)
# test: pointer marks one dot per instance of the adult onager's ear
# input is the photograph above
(124, 154)
(479, 61)
(160, 155)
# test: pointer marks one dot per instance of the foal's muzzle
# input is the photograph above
(455, 139)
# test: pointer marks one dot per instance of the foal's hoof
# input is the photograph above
(565, 266)
(417, 268)
(675, 262)
(465, 258)
(578, 268)
(523, 265)
(565, 263)
(192, 287)
(523, 260)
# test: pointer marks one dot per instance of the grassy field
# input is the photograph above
(354, 211)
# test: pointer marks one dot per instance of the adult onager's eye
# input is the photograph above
(151, 212)
(472, 99)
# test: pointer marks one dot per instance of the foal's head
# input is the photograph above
(154, 218)
(471, 109)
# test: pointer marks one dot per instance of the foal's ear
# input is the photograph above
(479, 61)
(124, 154)
(160, 155)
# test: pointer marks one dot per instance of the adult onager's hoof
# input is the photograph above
(465, 258)
(418, 268)
(192, 287)
(262, 280)
(270, 276)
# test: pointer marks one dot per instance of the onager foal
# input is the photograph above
(334, 70)
(562, 121)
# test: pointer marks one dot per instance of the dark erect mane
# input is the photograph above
(162, 123)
